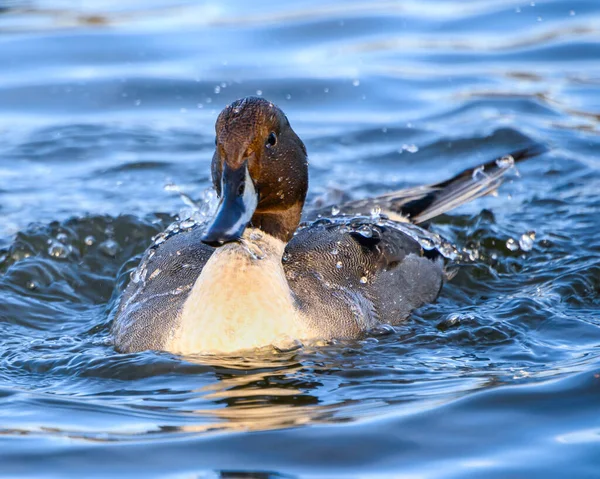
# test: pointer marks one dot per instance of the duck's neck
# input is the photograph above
(241, 300)
(280, 224)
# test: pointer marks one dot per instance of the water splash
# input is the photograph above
(196, 213)
(526, 241)
(511, 244)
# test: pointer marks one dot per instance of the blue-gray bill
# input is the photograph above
(238, 203)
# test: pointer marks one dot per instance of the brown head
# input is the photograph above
(260, 172)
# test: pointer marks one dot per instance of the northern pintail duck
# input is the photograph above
(252, 277)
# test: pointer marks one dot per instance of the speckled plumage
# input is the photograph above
(324, 265)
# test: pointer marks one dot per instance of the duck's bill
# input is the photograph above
(238, 203)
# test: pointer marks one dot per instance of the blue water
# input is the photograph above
(104, 103)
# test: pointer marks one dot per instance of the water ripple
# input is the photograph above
(107, 121)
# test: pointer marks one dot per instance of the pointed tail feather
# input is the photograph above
(466, 186)
(422, 203)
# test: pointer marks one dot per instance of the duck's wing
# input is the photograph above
(420, 204)
(151, 304)
(348, 280)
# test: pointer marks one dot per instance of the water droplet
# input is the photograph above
(171, 187)
(334, 252)
(31, 285)
(426, 243)
(410, 148)
(139, 274)
(448, 250)
(259, 92)
(62, 237)
(473, 254)
(338, 265)
(252, 249)
(89, 240)
(356, 82)
(218, 89)
(526, 241)
(383, 329)
(109, 247)
(335, 211)
(58, 250)
(376, 212)
(181, 289)
(288, 97)
(478, 173)
(572, 13)
(363, 280)
(154, 274)
(505, 162)
(365, 231)
(256, 236)
(186, 224)
(511, 244)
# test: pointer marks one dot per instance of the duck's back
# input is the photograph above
(349, 280)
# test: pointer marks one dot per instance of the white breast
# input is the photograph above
(241, 300)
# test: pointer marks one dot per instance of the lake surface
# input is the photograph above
(107, 110)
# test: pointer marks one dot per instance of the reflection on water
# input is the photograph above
(107, 116)
(259, 394)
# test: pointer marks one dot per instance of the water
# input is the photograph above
(103, 104)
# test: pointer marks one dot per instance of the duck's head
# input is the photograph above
(260, 172)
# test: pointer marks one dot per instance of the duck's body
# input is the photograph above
(252, 279)
(327, 282)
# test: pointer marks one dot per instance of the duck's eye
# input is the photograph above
(271, 139)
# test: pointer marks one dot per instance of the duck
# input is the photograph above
(261, 273)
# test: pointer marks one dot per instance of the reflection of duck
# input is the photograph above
(264, 392)
(257, 393)
(252, 278)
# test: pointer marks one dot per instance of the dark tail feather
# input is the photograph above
(466, 186)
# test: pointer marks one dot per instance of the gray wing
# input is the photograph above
(152, 302)
(349, 280)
